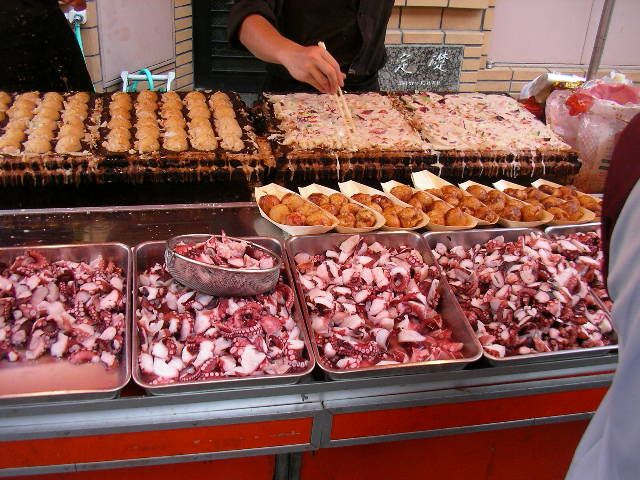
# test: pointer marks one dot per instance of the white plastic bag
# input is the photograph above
(591, 120)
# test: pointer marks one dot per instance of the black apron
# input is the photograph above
(38, 49)
(334, 22)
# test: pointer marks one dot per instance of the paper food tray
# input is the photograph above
(546, 218)
(278, 191)
(351, 188)
(587, 215)
(425, 180)
(434, 227)
(542, 181)
(315, 188)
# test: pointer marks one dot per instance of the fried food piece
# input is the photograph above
(495, 195)
(425, 200)
(350, 208)
(548, 189)
(439, 206)
(455, 217)
(436, 217)
(391, 219)
(409, 217)
(452, 191)
(532, 213)
(478, 192)
(347, 220)
(451, 200)
(497, 205)
(307, 209)
(534, 194)
(278, 212)
(319, 199)
(573, 210)
(376, 207)
(292, 201)
(567, 193)
(295, 219)
(338, 199)
(590, 203)
(318, 217)
(365, 219)
(534, 201)
(402, 192)
(435, 192)
(471, 203)
(414, 202)
(331, 208)
(381, 200)
(363, 198)
(511, 212)
(516, 193)
(552, 202)
(558, 213)
(484, 213)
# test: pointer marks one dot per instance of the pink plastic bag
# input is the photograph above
(590, 120)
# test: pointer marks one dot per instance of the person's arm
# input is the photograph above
(312, 65)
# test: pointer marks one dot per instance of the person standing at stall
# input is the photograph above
(38, 49)
(609, 448)
(285, 34)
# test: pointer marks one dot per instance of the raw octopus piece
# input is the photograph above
(522, 298)
(374, 305)
(226, 253)
(187, 336)
(583, 251)
(68, 310)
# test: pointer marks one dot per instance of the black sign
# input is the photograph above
(430, 67)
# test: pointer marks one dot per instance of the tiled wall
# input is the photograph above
(456, 22)
(182, 61)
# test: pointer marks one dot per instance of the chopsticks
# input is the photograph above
(345, 112)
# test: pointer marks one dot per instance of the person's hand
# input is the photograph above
(315, 66)
(75, 4)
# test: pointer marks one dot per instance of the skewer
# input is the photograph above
(345, 112)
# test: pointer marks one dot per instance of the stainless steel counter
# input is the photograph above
(317, 400)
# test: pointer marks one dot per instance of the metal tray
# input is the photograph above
(569, 229)
(471, 237)
(147, 254)
(451, 312)
(54, 380)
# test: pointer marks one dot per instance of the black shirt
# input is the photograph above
(353, 31)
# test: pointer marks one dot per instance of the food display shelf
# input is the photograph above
(137, 429)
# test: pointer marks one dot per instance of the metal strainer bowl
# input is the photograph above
(218, 280)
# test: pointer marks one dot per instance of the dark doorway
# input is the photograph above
(216, 64)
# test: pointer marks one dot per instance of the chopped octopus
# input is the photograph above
(226, 252)
(583, 250)
(187, 336)
(374, 305)
(522, 298)
(67, 310)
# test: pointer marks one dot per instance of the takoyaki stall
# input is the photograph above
(417, 285)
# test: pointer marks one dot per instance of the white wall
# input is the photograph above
(563, 32)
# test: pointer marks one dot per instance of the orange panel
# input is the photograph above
(252, 468)
(183, 441)
(385, 422)
(540, 452)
